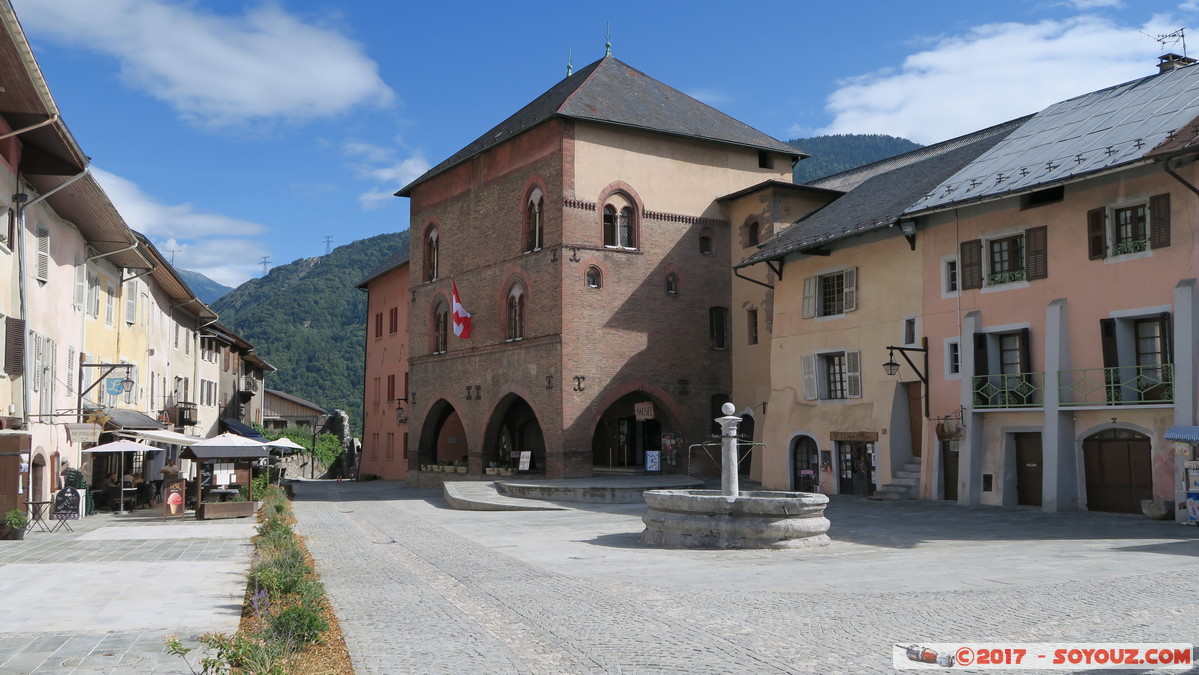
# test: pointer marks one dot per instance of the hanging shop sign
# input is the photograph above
(643, 411)
(83, 432)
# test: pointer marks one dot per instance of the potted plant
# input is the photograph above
(460, 465)
(15, 523)
(505, 469)
(492, 469)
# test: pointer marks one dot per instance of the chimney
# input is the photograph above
(1168, 62)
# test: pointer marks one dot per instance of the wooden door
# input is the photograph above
(855, 470)
(949, 470)
(915, 396)
(1119, 472)
(1030, 469)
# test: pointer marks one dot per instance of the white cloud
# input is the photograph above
(218, 69)
(379, 165)
(187, 234)
(710, 96)
(995, 72)
(1092, 4)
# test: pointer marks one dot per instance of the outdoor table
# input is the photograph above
(37, 515)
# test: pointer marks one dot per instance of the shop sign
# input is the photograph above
(854, 436)
(643, 411)
(83, 433)
(1182, 449)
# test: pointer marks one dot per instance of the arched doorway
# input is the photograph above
(805, 465)
(633, 425)
(514, 429)
(443, 438)
(745, 448)
(1119, 470)
(37, 477)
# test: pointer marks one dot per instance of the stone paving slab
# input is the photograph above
(104, 598)
(422, 588)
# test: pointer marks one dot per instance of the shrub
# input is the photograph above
(298, 625)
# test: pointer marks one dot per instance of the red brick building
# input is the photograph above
(385, 389)
(585, 239)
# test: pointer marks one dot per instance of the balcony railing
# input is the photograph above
(1121, 385)
(1014, 390)
(182, 414)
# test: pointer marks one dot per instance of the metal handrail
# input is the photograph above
(1119, 385)
(1008, 390)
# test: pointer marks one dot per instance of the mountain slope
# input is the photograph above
(207, 290)
(842, 152)
(307, 319)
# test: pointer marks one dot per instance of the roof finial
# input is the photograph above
(608, 39)
(570, 69)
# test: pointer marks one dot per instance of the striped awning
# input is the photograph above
(1183, 432)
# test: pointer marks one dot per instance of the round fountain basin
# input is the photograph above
(752, 519)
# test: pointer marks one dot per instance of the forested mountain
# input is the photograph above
(308, 320)
(842, 152)
(207, 290)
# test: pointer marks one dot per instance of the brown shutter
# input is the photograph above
(1036, 265)
(972, 264)
(1167, 338)
(14, 346)
(1096, 234)
(1107, 338)
(1025, 351)
(980, 354)
(1159, 220)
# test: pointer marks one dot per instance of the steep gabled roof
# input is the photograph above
(1088, 134)
(612, 92)
(878, 201)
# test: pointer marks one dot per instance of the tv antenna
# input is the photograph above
(1178, 37)
(173, 251)
(328, 241)
(266, 260)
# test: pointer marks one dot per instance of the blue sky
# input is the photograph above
(229, 131)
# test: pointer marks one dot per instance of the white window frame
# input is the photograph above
(812, 293)
(946, 293)
(948, 359)
(1109, 229)
(986, 239)
(814, 374)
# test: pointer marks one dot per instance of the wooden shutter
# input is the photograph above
(1025, 351)
(43, 254)
(1159, 221)
(1107, 338)
(851, 289)
(853, 374)
(981, 367)
(131, 302)
(80, 295)
(807, 364)
(36, 380)
(809, 297)
(971, 255)
(1167, 338)
(1036, 255)
(14, 346)
(1096, 234)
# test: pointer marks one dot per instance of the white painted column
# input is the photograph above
(1186, 332)
(729, 482)
(1059, 486)
(970, 455)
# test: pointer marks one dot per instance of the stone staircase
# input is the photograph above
(905, 484)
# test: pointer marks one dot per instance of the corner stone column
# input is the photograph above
(970, 457)
(1060, 481)
(1186, 332)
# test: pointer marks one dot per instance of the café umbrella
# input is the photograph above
(122, 446)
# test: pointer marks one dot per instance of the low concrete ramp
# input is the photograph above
(475, 495)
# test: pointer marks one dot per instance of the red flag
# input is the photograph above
(461, 316)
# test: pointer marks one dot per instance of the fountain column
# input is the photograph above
(729, 484)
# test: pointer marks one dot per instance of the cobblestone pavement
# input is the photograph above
(420, 588)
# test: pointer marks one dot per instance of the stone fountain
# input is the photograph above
(730, 518)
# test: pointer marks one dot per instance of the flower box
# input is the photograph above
(215, 510)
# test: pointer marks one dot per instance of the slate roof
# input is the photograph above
(1069, 140)
(610, 91)
(880, 192)
(400, 257)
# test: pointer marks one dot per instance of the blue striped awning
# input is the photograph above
(1183, 432)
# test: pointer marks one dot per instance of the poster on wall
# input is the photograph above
(653, 460)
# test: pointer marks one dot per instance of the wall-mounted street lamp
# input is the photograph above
(908, 228)
(401, 412)
(127, 383)
(891, 367)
